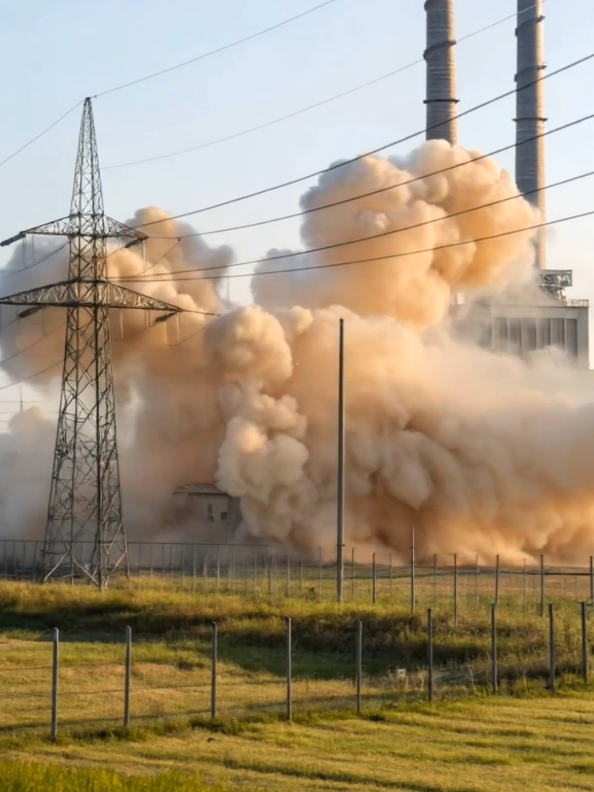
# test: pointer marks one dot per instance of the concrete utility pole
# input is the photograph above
(340, 497)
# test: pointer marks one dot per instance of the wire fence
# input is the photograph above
(270, 571)
(120, 690)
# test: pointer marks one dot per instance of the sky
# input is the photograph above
(54, 54)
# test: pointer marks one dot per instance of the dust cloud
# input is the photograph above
(482, 453)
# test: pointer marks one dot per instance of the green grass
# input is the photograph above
(25, 776)
(496, 745)
(468, 741)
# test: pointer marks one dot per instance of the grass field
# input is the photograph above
(498, 745)
(522, 738)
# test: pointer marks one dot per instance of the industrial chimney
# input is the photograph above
(441, 71)
(530, 120)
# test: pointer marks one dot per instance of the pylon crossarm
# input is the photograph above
(71, 226)
(121, 230)
(87, 294)
(60, 227)
(122, 297)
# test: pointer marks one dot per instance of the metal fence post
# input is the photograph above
(525, 589)
(359, 664)
(435, 577)
(455, 589)
(289, 672)
(391, 589)
(476, 582)
(494, 648)
(320, 572)
(55, 667)
(373, 581)
(592, 579)
(430, 654)
(551, 647)
(213, 672)
(288, 573)
(542, 586)
(128, 679)
(353, 573)
(497, 580)
(218, 569)
(585, 663)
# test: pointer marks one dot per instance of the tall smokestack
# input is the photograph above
(441, 71)
(530, 120)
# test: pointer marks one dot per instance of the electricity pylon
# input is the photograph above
(85, 530)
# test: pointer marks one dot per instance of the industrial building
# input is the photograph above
(213, 513)
(544, 317)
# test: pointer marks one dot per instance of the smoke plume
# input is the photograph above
(481, 453)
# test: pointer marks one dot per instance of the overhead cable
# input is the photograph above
(275, 121)
(169, 276)
(306, 109)
(214, 51)
(41, 134)
(343, 163)
(173, 279)
(379, 190)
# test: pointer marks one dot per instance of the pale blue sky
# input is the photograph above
(53, 54)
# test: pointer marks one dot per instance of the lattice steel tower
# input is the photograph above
(85, 531)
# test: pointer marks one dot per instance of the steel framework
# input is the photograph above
(85, 503)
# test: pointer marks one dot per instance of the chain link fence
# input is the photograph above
(268, 571)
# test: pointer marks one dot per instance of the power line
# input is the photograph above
(169, 276)
(379, 190)
(306, 109)
(245, 132)
(63, 324)
(215, 51)
(391, 255)
(41, 134)
(35, 374)
(34, 344)
(165, 71)
(370, 153)
(6, 273)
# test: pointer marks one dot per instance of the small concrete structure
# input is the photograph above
(216, 514)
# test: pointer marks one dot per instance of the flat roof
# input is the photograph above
(199, 489)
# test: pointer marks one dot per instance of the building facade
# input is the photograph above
(214, 513)
(547, 319)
